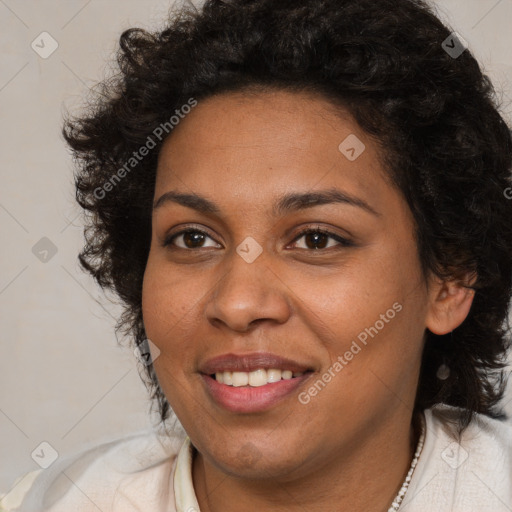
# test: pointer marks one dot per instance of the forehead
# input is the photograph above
(269, 143)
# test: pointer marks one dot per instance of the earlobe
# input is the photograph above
(450, 302)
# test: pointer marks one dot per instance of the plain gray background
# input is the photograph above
(63, 378)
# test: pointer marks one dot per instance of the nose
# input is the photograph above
(248, 294)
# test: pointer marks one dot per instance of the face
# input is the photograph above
(275, 248)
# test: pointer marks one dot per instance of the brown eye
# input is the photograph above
(189, 239)
(316, 239)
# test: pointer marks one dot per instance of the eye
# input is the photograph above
(316, 238)
(189, 239)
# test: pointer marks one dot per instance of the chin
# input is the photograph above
(251, 462)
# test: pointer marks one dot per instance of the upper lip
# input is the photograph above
(250, 362)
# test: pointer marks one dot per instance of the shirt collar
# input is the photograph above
(184, 493)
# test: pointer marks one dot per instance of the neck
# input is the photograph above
(365, 478)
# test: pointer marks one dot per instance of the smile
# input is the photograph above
(252, 382)
(256, 378)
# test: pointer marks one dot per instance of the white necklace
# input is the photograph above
(401, 493)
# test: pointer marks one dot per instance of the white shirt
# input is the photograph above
(152, 473)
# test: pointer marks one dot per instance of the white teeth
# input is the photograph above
(240, 379)
(255, 378)
(273, 375)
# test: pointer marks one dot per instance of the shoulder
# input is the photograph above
(119, 475)
(483, 437)
(21, 486)
(467, 472)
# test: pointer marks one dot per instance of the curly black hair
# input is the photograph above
(389, 62)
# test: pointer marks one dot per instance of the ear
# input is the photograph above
(449, 304)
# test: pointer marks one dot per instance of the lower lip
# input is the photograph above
(252, 399)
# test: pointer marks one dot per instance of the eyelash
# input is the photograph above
(343, 242)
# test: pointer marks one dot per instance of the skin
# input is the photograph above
(352, 444)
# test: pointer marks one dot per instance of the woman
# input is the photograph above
(303, 207)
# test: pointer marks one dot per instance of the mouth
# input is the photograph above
(253, 382)
(256, 378)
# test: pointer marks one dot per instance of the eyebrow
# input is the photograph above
(285, 204)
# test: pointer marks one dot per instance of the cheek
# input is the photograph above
(166, 308)
(166, 300)
(372, 311)
(344, 303)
